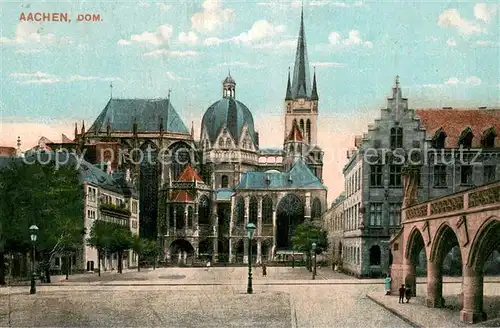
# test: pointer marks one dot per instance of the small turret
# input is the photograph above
(289, 88)
(229, 87)
(314, 93)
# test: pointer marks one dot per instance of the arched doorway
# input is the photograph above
(181, 252)
(290, 214)
(415, 245)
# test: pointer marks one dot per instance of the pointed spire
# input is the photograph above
(192, 129)
(301, 84)
(111, 90)
(314, 93)
(83, 127)
(169, 91)
(76, 130)
(289, 87)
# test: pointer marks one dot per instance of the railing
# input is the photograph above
(457, 202)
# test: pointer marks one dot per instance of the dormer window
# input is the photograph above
(488, 140)
(439, 139)
(396, 137)
(465, 139)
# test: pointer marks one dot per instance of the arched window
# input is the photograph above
(439, 139)
(308, 130)
(240, 212)
(221, 143)
(316, 209)
(244, 144)
(228, 143)
(190, 217)
(375, 255)
(465, 138)
(179, 217)
(302, 125)
(396, 138)
(253, 210)
(488, 140)
(204, 210)
(224, 181)
(181, 156)
(267, 210)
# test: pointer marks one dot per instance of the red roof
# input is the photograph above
(189, 174)
(454, 121)
(181, 196)
(295, 134)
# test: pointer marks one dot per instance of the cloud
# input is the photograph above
(46, 78)
(486, 43)
(189, 38)
(239, 64)
(451, 42)
(163, 7)
(485, 12)
(171, 53)
(161, 37)
(212, 17)
(451, 18)
(328, 64)
(144, 4)
(470, 81)
(353, 39)
(175, 77)
(322, 3)
(33, 34)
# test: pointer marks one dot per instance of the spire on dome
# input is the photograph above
(289, 88)
(229, 87)
(314, 93)
(301, 85)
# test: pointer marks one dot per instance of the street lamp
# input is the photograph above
(250, 230)
(314, 259)
(33, 235)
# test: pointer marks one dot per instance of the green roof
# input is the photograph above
(147, 112)
(299, 177)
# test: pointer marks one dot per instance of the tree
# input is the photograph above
(139, 247)
(151, 251)
(121, 241)
(47, 195)
(100, 239)
(305, 235)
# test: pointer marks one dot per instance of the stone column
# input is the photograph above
(186, 218)
(231, 258)
(434, 286)
(215, 256)
(196, 228)
(259, 217)
(175, 220)
(259, 251)
(245, 250)
(410, 278)
(472, 287)
(274, 233)
(307, 207)
(231, 223)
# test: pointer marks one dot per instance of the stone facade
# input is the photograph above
(333, 223)
(467, 219)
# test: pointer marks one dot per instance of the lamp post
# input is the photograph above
(314, 260)
(33, 235)
(250, 230)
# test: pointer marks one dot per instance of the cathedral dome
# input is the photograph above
(228, 113)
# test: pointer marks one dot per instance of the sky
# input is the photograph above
(55, 73)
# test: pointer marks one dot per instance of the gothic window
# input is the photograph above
(396, 138)
(490, 173)
(466, 175)
(375, 214)
(395, 176)
(489, 138)
(181, 155)
(302, 126)
(253, 210)
(394, 214)
(240, 212)
(308, 130)
(316, 209)
(228, 143)
(190, 217)
(439, 139)
(221, 143)
(179, 217)
(224, 181)
(376, 176)
(204, 210)
(267, 210)
(375, 255)
(440, 176)
(465, 138)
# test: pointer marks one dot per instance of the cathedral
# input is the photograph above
(197, 195)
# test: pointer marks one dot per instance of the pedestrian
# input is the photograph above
(264, 270)
(387, 282)
(402, 291)
(208, 265)
(408, 293)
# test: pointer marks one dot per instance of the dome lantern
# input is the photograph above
(229, 87)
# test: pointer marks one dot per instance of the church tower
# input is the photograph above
(301, 108)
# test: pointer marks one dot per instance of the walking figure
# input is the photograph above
(408, 293)
(264, 270)
(208, 265)
(387, 282)
(402, 291)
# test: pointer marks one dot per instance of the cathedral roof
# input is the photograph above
(181, 196)
(230, 113)
(454, 121)
(295, 133)
(299, 177)
(148, 113)
(189, 174)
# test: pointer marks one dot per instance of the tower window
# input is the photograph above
(396, 138)
(308, 130)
